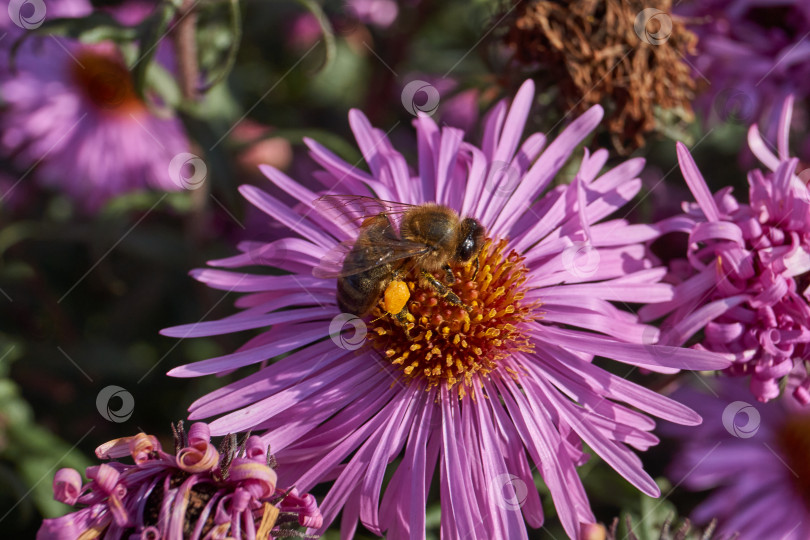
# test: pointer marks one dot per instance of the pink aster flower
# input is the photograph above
(483, 396)
(753, 53)
(746, 281)
(72, 119)
(754, 457)
(198, 493)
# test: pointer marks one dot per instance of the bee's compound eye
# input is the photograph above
(472, 239)
(465, 250)
(396, 296)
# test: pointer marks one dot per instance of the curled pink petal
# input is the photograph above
(182, 494)
(758, 254)
(67, 485)
(200, 455)
(256, 449)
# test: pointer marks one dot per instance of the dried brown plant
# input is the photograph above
(607, 52)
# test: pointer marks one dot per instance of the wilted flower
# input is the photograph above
(625, 55)
(472, 392)
(748, 285)
(753, 54)
(199, 493)
(72, 118)
(755, 459)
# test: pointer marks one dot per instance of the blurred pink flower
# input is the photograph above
(72, 118)
(304, 30)
(754, 457)
(379, 13)
(256, 146)
(752, 54)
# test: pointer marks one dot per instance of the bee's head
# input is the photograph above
(472, 239)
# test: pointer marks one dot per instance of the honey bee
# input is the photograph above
(429, 238)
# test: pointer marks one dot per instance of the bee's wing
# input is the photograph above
(354, 209)
(334, 264)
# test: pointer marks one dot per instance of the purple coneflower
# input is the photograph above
(755, 459)
(199, 493)
(71, 110)
(752, 53)
(748, 285)
(480, 398)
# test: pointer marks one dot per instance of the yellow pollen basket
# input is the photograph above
(396, 296)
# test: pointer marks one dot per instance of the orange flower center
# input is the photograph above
(106, 82)
(445, 342)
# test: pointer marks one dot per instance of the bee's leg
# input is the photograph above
(405, 320)
(477, 265)
(449, 278)
(440, 287)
